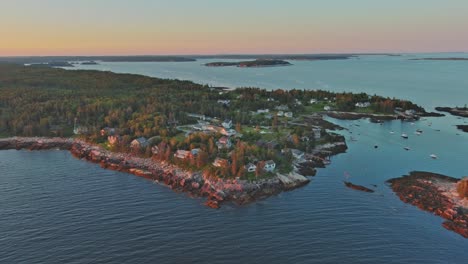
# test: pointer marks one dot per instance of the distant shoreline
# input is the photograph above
(441, 59)
(250, 64)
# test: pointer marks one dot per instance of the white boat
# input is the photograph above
(434, 156)
(391, 132)
(407, 148)
(404, 135)
(418, 133)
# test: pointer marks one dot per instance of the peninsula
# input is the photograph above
(456, 111)
(241, 144)
(461, 112)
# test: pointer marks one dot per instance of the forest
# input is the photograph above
(43, 101)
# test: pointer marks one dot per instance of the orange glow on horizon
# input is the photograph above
(143, 27)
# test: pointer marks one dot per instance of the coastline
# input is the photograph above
(196, 184)
(377, 118)
(434, 193)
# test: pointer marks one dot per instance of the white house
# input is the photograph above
(327, 108)
(227, 123)
(280, 113)
(263, 111)
(224, 102)
(363, 105)
(250, 167)
(288, 114)
(269, 166)
(313, 101)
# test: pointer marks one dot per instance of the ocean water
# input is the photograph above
(430, 83)
(57, 209)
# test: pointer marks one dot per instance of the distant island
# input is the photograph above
(89, 63)
(250, 64)
(442, 59)
(310, 57)
(463, 128)
(48, 60)
(227, 145)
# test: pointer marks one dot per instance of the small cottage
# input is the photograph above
(140, 142)
(270, 166)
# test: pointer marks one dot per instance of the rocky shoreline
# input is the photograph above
(376, 118)
(437, 194)
(456, 111)
(196, 184)
(463, 128)
(358, 187)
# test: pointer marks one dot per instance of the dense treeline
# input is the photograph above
(36, 100)
(44, 101)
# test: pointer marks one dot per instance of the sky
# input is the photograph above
(160, 27)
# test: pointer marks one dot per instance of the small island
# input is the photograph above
(45, 60)
(251, 64)
(89, 63)
(235, 145)
(442, 195)
(463, 128)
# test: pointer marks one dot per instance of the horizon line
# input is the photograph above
(231, 54)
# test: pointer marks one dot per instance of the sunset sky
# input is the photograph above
(140, 27)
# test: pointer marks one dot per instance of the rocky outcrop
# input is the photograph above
(196, 184)
(437, 194)
(456, 111)
(35, 143)
(358, 187)
(292, 180)
(355, 116)
(463, 128)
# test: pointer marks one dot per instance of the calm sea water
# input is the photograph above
(57, 209)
